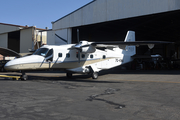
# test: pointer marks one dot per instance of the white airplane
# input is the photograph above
(84, 57)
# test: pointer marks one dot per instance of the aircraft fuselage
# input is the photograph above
(62, 57)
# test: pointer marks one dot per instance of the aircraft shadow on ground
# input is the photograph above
(160, 72)
(75, 78)
(87, 78)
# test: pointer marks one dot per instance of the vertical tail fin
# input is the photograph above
(130, 37)
(129, 50)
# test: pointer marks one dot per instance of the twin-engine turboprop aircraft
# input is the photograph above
(84, 57)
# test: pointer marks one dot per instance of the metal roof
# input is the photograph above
(21, 26)
(100, 11)
(74, 11)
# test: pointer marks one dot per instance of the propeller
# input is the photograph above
(78, 46)
(81, 46)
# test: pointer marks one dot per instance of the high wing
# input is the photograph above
(123, 44)
(130, 43)
(120, 44)
(89, 47)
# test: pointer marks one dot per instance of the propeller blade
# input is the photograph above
(78, 46)
(78, 35)
(79, 56)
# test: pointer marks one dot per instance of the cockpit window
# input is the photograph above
(50, 53)
(41, 51)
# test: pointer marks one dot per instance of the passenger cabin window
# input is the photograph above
(91, 56)
(60, 54)
(67, 55)
(83, 55)
(104, 56)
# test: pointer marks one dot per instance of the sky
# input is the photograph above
(39, 13)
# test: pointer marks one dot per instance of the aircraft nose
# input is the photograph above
(23, 63)
(9, 65)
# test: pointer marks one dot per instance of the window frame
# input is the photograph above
(68, 55)
(60, 55)
(91, 56)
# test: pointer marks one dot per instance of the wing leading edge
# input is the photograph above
(131, 43)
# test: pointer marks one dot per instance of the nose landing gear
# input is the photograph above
(24, 76)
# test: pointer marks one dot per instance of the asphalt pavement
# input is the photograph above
(115, 95)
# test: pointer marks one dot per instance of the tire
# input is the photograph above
(24, 77)
(69, 75)
(95, 75)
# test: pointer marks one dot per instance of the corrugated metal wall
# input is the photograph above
(25, 40)
(3, 40)
(108, 10)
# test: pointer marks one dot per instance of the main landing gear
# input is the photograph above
(94, 75)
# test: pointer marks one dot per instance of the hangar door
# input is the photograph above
(14, 41)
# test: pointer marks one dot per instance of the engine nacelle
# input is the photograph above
(88, 49)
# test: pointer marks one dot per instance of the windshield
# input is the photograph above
(41, 51)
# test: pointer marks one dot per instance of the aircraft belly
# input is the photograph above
(30, 66)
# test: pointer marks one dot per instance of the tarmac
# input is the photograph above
(115, 95)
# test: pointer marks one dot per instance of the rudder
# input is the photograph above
(130, 37)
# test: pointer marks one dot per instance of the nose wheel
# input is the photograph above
(24, 76)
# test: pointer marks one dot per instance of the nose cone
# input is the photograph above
(9, 65)
(20, 63)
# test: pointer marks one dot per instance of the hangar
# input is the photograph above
(109, 20)
(21, 38)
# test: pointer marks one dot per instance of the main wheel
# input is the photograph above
(69, 75)
(94, 75)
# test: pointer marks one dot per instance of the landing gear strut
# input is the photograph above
(93, 74)
(69, 75)
(24, 76)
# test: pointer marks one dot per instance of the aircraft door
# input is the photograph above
(104, 63)
(49, 57)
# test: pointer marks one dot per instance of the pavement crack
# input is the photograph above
(108, 91)
(71, 85)
(66, 85)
